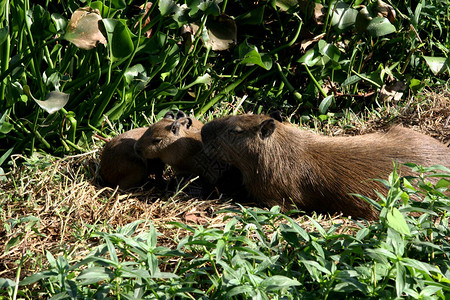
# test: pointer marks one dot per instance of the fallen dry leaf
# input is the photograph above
(83, 28)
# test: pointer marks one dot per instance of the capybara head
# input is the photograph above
(172, 141)
(119, 165)
(239, 138)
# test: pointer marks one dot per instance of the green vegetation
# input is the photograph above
(253, 254)
(288, 55)
(325, 64)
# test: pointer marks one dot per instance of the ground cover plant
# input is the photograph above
(57, 89)
(68, 238)
(341, 67)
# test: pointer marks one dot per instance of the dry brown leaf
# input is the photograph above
(393, 92)
(385, 10)
(83, 28)
(147, 20)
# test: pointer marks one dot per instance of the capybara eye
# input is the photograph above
(156, 141)
(236, 130)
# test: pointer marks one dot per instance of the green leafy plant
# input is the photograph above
(140, 61)
(269, 255)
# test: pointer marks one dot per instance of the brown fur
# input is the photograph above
(175, 142)
(179, 144)
(119, 164)
(283, 165)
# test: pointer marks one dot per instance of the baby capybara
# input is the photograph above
(120, 165)
(175, 142)
(286, 166)
(179, 144)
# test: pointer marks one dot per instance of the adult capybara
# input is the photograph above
(120, 165)
(283, 165)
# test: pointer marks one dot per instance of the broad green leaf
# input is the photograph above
(380, 26)
(286, 4)
(316, 265)
(220, 249)
(5, 283)
(325, 104)
(59, 23)
(397, 221)
(6, 155)
(119, 4)
(209, 8)
(130, 228)
(400, 278)
(278, 282)
(121, 44)
(5, 127)
(352, 80)
(343, 16)
(53, 102)
(95, 274)
(3, 34)
(51, 259)
(321, 55)
(83, 29)
(105, 10)
(310, 58)
(242, 289)
(167, 7)
(13, 242)
(249, 55)
(329, 50)
(38, 276)
(437, 64)
(442, 183)
(362, 233)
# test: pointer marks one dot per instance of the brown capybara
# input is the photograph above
(178, 143)
(175, 142)
(120, 165)
(283, 165)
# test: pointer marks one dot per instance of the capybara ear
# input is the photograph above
(175, 127)
(267, 127)
(169, 115)
(277, 115)
(180, 114)
(189, 123)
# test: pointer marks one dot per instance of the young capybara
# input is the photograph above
(175, 142)
(178, 143)
(283, 165)
(120, 165)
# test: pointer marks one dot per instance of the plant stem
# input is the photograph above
(315, 81)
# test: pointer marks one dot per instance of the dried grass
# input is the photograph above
(65, 196)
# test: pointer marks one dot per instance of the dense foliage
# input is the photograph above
(284, 54)
(72, 69)
(262, 254)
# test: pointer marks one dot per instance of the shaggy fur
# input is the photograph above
(120, 165)
(283, 165)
